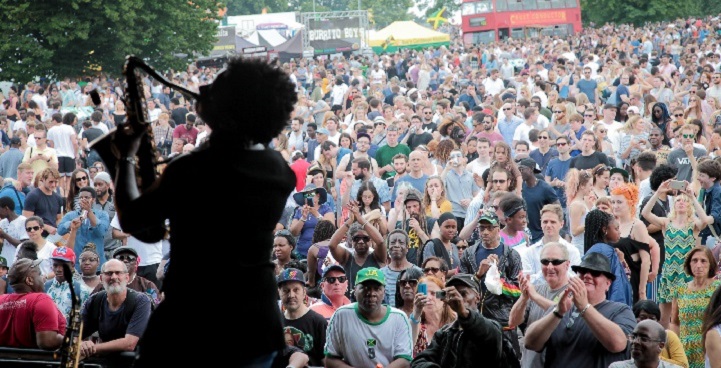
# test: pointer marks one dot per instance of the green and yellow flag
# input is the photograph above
(387, 42)
(437, 18)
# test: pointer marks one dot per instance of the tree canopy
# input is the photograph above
(637, 11)
(69, 38)
(381, 12)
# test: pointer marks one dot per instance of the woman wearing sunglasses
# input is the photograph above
(34, 228)
(80, 178)
(430, 313)
(406, 288)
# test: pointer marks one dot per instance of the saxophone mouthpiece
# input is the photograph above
(95, 96)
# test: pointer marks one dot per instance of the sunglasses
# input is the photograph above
(678, 115)
(558, 112)
(461, 247)
(32, 228)
(689, 136)
(593, 273)
(332, 280)
(589, 115)
(542, 137)
(561, 144)
(431, 269)
(602, 130)
(507, 108)
(123, 258)
(498, 181)
(282, 233)
(80, 178)
(411, 282)
(555, 262)
(358, 238)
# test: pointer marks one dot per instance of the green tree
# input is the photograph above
(68, 38)
(245, 7)
(636, 11)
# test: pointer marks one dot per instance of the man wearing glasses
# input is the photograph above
(118, 314)
(537, 296)
(30, 317)
(544, 153)
(488, 126)
(508, 123)
(92, 224)
(684, 157)
(557, 168)
(334, 286)
(647, 340)
(584, 329)
(130, 257)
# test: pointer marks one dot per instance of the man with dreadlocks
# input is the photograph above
(420, 228)
(601, 231)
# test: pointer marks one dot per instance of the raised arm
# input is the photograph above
(646, 212)
(380, 253)
(340, 254)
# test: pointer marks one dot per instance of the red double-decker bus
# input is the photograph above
(493, 20)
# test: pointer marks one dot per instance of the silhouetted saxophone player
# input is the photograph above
(247, 105)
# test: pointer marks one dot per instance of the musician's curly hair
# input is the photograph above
(250, 101)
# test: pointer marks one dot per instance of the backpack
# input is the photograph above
(95, 302)
(438, 249)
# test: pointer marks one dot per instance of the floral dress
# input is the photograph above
(691, 307)
(678, 243)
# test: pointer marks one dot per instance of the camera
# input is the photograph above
(440, 294)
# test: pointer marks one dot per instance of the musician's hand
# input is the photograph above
(127, 141)
(87, 348)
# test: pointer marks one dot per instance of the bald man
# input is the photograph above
(647, 341)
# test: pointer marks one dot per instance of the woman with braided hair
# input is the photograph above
(601, 232)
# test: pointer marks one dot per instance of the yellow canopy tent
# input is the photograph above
(406, 34)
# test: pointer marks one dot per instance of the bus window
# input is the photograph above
(502, 5)
(571, 4)
(544, 4)
(529, 5)
(475, 38)
(515, 5)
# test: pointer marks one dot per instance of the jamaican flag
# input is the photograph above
(437, 18)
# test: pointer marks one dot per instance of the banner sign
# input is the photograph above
(226, 42)
(329, 36)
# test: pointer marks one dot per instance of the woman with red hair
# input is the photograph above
(635, 241)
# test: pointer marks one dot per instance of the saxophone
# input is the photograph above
(137, 119)
(70, 349)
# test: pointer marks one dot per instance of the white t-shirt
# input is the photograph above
(149, 253)
(15, 229)
(521, 133)
(349, 336)
(62, 136)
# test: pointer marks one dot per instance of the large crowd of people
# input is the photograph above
(532, 203)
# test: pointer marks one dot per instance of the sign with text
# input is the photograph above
(335, 35)
(226, 42)
(538, 18)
